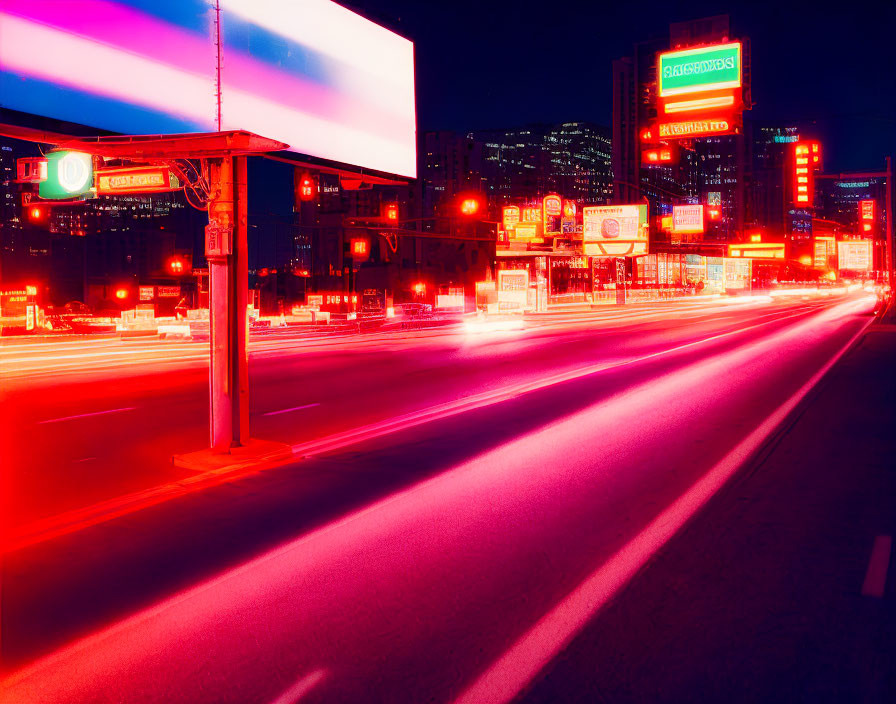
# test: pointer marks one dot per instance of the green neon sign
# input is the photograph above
(69, 175)
(701, 69)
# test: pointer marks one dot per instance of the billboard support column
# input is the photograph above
(226, 251)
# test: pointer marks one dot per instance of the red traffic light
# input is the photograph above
(121, 293)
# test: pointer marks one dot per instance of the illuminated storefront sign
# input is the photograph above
(823, 247)
(854, 255)
(146, 293)
(168, 291)
(737, 274)
(530, 214)
(695, 128)
(615, 230)
(687, 219)
(698, 70)
(553, 205)
(510, 216)
(138, 179)
(69, 174)
(756, 250)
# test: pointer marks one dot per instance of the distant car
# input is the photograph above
(76, 308)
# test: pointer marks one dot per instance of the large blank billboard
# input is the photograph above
(324, 80)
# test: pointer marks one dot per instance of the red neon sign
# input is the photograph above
(695, 128)
(137, 179)
(866, 210)
(803, 174)
(360, 247)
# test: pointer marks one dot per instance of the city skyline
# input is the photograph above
(845, 91)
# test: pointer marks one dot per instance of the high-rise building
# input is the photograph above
(769, 188)
(571, 159)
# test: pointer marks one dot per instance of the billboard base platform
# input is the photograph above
(255, 452)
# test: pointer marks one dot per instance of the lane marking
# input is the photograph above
(78, 519)
(87, 415)
(290, 410)
(512, 672)
(301, 688)
(876, 576)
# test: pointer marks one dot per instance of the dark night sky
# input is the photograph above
(503, 63)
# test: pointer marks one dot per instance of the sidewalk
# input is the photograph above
(783, 587)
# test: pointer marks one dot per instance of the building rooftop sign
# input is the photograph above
(706, 68)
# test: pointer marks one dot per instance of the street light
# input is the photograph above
(469, 206)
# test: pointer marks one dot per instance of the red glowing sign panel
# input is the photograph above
(553, 205)
(569, 208)
(138, 179)
(360, 247)
(866, 210)
(531, 214)
(390, 211)
(660, 155)
(687, 219)
(510, 216)
(696, 128)
(32, 169)
(855, 255)
(803, 175)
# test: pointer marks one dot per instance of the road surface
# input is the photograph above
(504, 485)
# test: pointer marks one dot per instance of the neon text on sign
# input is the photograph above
(140, 179)
(701, 69)
(854, 255)
(312, 74)
(687, 219)
(693, 128)
(553, 205)
(614, 230)
(866, 209)
(510, 216)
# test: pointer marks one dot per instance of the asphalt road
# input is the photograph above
(440, 561)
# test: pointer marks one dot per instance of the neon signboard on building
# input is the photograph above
(687, 219)
(854, 255)
(757, 250)
(695, 128)
(138, 179)
(700, 69)
(510, 216)
(615, 230)
(803, 175)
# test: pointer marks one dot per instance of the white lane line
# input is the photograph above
(290, 410)
(876, 576)
(301, 688)
(87, 415)
(507, 676)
